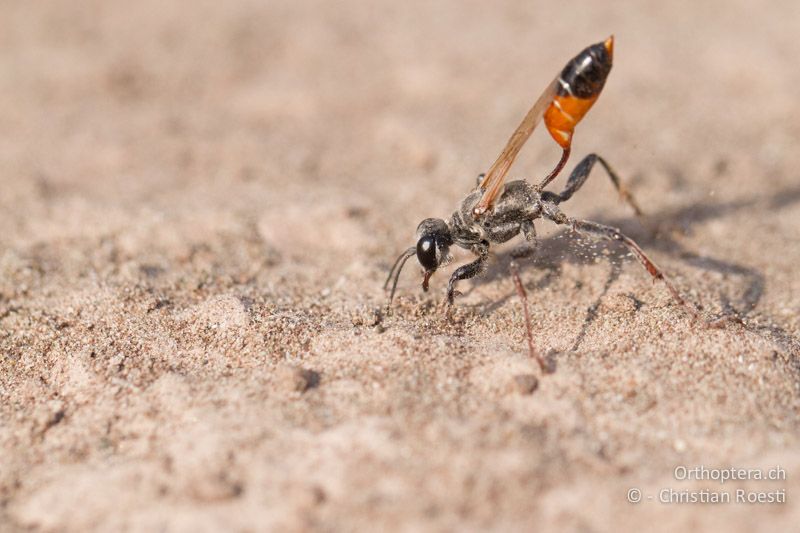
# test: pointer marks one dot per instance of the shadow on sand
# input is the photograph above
(656, 232)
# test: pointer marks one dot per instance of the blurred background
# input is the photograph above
(250, 105)
(194, 193)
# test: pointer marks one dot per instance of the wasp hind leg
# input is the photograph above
(594, 229)
(581, 174)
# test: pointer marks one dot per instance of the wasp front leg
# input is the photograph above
(470, 270)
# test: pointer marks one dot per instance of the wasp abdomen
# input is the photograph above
(585, 75)
(578, 86)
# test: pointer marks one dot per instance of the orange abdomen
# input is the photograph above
(564, 114)
(579, 85)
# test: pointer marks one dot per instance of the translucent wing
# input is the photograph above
(492, 183)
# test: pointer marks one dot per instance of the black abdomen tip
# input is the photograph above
(585, 75)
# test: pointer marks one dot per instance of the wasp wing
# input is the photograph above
(492, 183)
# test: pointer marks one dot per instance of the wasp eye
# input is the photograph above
(426, 253)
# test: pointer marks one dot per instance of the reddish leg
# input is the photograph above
(524, 251)
(528, 329)
(613, 234)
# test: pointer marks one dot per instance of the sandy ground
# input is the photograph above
(200, 201)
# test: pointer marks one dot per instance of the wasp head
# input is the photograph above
(433, 246)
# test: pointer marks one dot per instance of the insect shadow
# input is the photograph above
(655, 232)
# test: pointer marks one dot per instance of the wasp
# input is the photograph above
(496, 211)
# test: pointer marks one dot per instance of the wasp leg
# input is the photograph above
(524, 251)
(470, 270)
(579, 176)
(613, 234)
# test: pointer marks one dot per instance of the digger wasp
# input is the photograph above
(496, 211)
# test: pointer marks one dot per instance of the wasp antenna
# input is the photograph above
(397, 261)
(399, 264)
